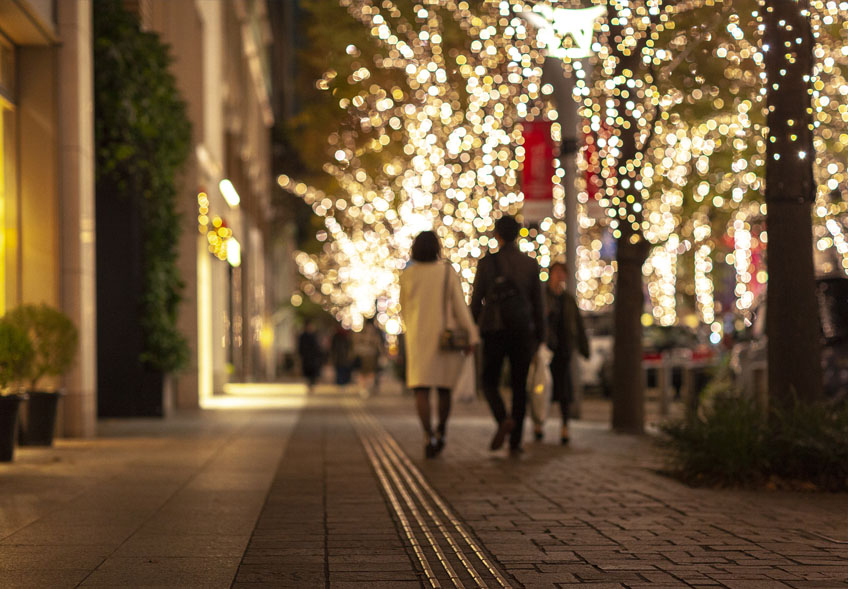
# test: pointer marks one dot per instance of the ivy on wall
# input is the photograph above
(142, 139)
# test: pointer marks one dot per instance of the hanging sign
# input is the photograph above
(537, 174)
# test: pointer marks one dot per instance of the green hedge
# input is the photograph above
(734, 443)
(142, 139)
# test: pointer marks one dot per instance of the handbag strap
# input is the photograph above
(445, 297)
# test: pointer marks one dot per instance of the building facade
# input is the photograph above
(47, 178)
(221, 63)
(47, 193)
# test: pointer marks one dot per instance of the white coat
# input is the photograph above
(422, 289)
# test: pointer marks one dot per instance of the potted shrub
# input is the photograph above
(16, 355)
(54, 342)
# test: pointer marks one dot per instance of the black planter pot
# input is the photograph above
(8, 425)
(40, 420)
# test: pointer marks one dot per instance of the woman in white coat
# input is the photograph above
(431, 300)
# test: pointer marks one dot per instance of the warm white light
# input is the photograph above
(229, 193)
(556, 24)
(233, 252)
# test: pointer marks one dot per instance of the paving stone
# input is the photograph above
(313, 525)
(411, 584)
(162, 572)
(33, 557)
(131, 507)
(605, 508)
(42, 578)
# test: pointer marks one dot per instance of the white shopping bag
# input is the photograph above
(465, 389)
(540, 385)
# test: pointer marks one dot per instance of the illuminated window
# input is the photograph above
(8, 202)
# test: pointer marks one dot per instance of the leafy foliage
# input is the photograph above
(413, 126)
(16, 354)
(53, 336)
(143, 137)
(734, 443)
(809, 442)
(723, 447)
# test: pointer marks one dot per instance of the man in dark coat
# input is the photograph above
(508, 305)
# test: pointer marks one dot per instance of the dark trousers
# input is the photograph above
(519, 350)
(562, 385)
(343, 374)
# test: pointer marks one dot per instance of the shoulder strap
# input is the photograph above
(445, 294)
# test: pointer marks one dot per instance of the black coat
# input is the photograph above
(566, 332)
(524, 273)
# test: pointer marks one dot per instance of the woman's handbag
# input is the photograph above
(451, 339)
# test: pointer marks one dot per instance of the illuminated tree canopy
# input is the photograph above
(428, 100)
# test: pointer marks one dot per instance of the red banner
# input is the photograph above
(538, 170)
(538, 161)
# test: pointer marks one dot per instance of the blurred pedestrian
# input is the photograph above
(311, 354)
(368, 347)
(437, 322)
(341, 354)
(508, 305)
(566, 335)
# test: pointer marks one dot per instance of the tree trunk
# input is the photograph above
(628, 397)
(628, 412)
(792, 322)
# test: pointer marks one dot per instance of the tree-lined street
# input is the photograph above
(279, 278)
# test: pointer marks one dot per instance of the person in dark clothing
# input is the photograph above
(311, 353)
(508, 305)
(566, 334)
(368, 348)
(341, 353)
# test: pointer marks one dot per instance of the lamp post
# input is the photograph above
(566, 34)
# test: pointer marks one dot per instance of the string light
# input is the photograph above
(218, 235)
(436, 144)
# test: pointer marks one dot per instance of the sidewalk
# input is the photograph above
(331, 490)
(149, 503)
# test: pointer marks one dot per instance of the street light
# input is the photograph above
(566, 34)
(555, 25)
(228, 191)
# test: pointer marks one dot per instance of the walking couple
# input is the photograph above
(507, 308)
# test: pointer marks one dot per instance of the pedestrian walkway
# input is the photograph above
(332, 491)
(149, 503)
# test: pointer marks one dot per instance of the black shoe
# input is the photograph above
(431, 449)
(564, 441)
(537, 435)
(504, 428)
(440, 444)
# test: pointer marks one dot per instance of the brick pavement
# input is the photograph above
(593, 514)
(597, 513)
(337, 494)
(325, 518)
